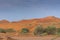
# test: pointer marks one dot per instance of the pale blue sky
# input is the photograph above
(14, 10)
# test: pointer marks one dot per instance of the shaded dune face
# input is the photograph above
(31, 23)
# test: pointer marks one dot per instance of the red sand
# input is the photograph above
(31, 23)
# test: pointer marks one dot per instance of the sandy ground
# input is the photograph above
(38, 38)
(9, 37)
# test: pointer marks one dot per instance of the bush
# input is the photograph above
(58, 30)
(38, 31)
(2, 30)
(25, 30)
(10, 30)
(51, 30)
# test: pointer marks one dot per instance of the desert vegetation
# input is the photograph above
(50, 30)
(10, 30)
(39, 30)
(24, 31)
(2, 30)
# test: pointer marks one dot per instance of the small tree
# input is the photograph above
(2, 30)
(51, 30)
(24, 30)
(10, 30)
(38, 31)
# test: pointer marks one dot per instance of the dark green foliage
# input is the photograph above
(2, 30)
(51, 30)
(10, 30)
(25, 30)
(38, 31)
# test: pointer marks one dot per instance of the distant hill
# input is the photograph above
(31, 23)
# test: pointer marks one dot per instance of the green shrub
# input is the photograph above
(10, 30)
(51, 30)
(38, 31)
(25, 30)
(2, 30)
(58, 30)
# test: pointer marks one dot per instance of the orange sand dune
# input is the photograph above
(31, 23)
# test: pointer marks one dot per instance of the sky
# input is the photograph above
(14, 10)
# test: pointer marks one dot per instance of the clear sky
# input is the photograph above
(26, 9)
